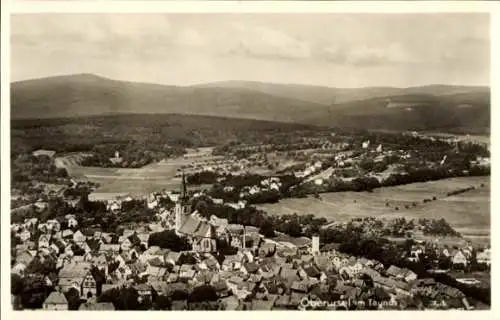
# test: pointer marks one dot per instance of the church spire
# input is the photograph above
(183, 188)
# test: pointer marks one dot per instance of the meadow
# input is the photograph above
(125, 181)
(468, 213)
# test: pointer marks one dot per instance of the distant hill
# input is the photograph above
(435, 107)
(328, 96)
(85, 95)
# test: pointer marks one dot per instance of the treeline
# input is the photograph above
(459, 191)
(91, 213)
(27, 170)
(141, 138)
(203, 297)
(395, 179)
(203, 177)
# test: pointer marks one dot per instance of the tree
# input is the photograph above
(46, 267)
(73, 297)
(99, 277)
(128, 299)
(35, 292)
(16, 284)
(168, 240)
(178, 295)
(267, 229)
(203, 293)
(292, 228)
(162, 303)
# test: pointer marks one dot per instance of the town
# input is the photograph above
(192, 249)
(315, 160)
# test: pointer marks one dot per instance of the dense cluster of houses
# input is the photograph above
(263, 274)
(266, 275)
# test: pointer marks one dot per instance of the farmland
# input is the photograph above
(124, 181)
(469, 212)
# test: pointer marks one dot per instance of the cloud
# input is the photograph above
(189, 37)
(91, 27)
(466, 49)
(264, 42)
(365, 55)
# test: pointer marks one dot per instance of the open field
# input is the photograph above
(469, 212)
(123, 181)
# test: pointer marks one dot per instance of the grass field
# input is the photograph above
(469, 212)
(123, 181)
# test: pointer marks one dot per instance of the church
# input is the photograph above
(197, 229)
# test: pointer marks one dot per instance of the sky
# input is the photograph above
(335, 50)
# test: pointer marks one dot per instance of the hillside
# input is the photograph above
(437, 107)
(86, 95)
(328, 96)
(460, 112)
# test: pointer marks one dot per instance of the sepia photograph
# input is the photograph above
(250, 161)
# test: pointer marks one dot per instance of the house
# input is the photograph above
(282, 302)
(89, 286)
(445, 252)
(67, 233)
(24, 257)
(25, 235)
(55, 249)
(204, 277)
(484, 257)
(19, 269)
(264, 305)
(288, 275)
(144, 290)
(267, 249)
(250, 268)
(172, 278)
(156, 272)
(42, 152)
(172, 257)
(44, 241)
(395, 272)
(78, 237)
(43, 227)
(72, 275)
(300, 286)
(114, 205)
(220, 287)
(138, 268)
(40, 206)
(53, 225)
(109, 248)
(122, 272)
(390, 284)
(99, 306)
(125, 244)
(72, 223)
(312, 271)
(143, 237)
(459, 259)
(134, 253)
(230, 303)
(56, 301)
(409, 275)
(231, 263)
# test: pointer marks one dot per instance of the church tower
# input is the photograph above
(181, 206)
